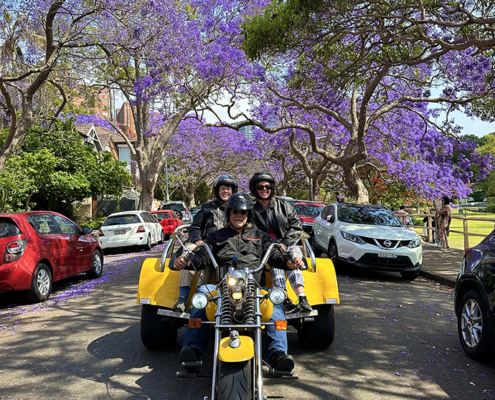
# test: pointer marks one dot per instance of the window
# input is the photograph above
(162, 214)
(324, 213)
(43, 224)
(145, 217)
(66, 226)
(331, 211)
(8, 228)
(122, 220)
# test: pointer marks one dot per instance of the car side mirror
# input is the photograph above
(87, 230)
(160, 219)
(331, 219)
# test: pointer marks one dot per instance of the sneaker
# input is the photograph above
(289, 307)
(181, 305)
(282, 362)
(304, 305)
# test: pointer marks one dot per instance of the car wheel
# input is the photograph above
(157, 332)
(162, 240)
(410, 275)
(473, 326)
(96, 266)
(41, 285)
(313, 245)
(148, 245)
(333, 253)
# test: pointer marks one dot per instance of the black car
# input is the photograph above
(474, 300)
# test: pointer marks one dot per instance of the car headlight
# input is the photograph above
(199, 301)
(352, 238)
(277, 296)
(414, 243)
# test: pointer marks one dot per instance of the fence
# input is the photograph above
(465, 232)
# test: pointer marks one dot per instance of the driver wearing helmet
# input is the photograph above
(239, 245)
(209, 219)
(277, 218)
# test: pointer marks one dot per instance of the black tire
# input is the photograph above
(333, 252)
(96, 265)
(410, 275)
(162, 240)
(157, 332)
(235, 381)
(317, 251)
(148, 245)
(472, 319)
(319, 334)
(41, 284)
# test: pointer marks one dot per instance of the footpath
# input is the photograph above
(440, 265)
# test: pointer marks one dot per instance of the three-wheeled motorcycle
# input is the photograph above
(237, 308)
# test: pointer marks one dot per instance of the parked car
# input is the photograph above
(308, 211)
(474, 300)
(168, 221)
(179, 206)
(288, 199)
(131, 228)
(367, 236)
(194, 211)
(40, 247)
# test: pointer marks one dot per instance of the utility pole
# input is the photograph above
(311, 189)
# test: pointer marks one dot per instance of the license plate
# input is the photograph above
(119, 232)
(387, 255)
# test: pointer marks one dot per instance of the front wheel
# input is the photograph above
(235, 381)
(333, 252)
(320, 333)
(473, 326)
(157, 332)
(96, 266)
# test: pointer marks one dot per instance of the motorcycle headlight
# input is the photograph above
(231, 281)
(199, 301)
(236, 278)
(414, 243)
(352, 238)
(237, 295)
(277, 296)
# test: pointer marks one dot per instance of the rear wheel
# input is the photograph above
(96, 266)
(410, 275)
(333, 253)
(320, 333)
(148, 245)
(473, 326)
(157, 332)
(41, 285)
(162, 238)
(235, 381)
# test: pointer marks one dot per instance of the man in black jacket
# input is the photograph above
(209, 219)
(277, 218)
(241, 245)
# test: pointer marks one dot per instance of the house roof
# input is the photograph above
(84, 129)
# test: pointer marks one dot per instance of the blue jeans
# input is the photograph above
(277, 340)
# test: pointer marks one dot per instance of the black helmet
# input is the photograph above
(226, 180)
(238, 201)
(260, 177)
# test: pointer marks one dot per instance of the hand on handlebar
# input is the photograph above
(297, 264)
(180, 263)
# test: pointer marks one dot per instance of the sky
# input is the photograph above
(473, 126)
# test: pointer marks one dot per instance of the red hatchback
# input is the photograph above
(169, 222)
(307, 212)
(40, 247)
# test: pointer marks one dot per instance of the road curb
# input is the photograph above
(438, 278)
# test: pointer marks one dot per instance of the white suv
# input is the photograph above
(367, 236)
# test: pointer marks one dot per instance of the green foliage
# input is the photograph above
(203, 193)
(479, 195)
(54, 168)
(417, 221)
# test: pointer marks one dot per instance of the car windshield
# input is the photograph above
(306, 209)
(122, 220)
(367, 215)
(174, 206)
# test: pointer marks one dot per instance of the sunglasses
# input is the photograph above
(261, 187)
(242, 212)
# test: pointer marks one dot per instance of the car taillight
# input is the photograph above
(14, 250)
(467, 251)
(170, 222)
(140, 229)
(100, 233)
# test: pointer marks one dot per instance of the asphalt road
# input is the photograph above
(394, 340)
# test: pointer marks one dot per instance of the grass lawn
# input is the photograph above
(457, 239)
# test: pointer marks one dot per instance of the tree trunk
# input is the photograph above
(148, 177)
(356, 185)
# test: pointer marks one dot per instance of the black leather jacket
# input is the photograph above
(210, 218)
(287, 219)
(248, 248)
